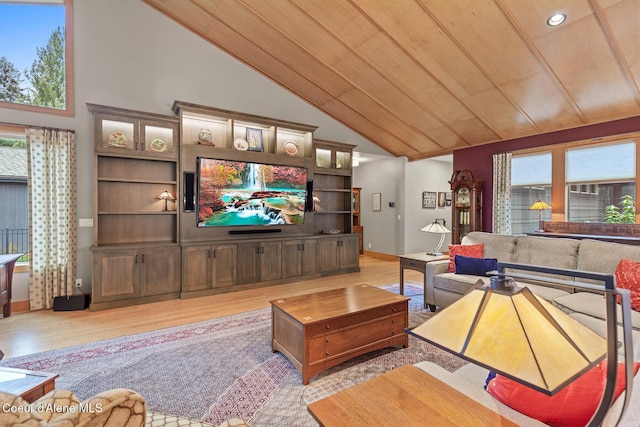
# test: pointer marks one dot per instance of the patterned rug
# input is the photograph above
(222, 368)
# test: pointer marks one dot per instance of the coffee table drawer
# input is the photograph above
(330, 326)
(360, 335)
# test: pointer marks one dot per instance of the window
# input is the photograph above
(598, 176)
(36, 56)
(530, 181)
(14, 209)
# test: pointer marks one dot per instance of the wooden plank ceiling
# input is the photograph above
(422, 78)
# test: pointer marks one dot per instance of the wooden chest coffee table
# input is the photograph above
(320, 330)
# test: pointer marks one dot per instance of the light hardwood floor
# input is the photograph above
(26, 333)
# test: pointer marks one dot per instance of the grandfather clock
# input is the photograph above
(466, 209)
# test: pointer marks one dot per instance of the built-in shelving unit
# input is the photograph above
(136, 257)
(148, 247)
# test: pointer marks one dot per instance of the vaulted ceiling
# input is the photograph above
(421, 78)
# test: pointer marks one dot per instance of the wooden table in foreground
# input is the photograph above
(323, 329)
(406, 396)
(30, 385)
(418, 262)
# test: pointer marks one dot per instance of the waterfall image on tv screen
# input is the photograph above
(234, 193)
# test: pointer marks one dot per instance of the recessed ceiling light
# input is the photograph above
(556, 19)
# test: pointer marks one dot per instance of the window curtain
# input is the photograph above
(501, 221)
(51, 161)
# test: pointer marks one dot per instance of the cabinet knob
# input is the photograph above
(394, 310)
(393, 321)
(412, 264)
(393, 332)
(327, 340)
(327, 327)
(326, 353)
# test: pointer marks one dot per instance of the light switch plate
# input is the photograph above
(86, 222)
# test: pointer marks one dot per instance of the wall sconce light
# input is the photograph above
(166, 196)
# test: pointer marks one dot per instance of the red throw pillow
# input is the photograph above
(573, 406)
(472, 251)
(628, 277)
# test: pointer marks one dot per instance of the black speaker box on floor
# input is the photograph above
(71, 302)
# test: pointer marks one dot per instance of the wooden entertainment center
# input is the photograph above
(147, 243)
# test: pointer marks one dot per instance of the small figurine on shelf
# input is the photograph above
(205, 137)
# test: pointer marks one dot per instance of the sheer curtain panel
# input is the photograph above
(501, 221)
(52, 214)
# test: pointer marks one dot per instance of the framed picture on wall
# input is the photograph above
(376, 201)
(429, 199)
(442, 199)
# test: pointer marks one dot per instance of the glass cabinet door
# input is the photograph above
(157, 138)
(117, 134)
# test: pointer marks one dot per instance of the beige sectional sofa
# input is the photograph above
(444, 288)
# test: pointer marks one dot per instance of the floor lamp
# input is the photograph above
(509, 330)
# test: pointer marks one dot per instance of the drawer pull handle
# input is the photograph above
(393, 321)
(393, 332)
(327, 327)
(394, 310)
(326, 340)
(412, 264)
(327, 353)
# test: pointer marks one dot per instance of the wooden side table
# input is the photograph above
(7, 263)
(418, 262)
(406, 396)
(30, 385)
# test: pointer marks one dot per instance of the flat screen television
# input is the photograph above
(234, 193)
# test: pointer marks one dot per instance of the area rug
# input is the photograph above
(223, 368)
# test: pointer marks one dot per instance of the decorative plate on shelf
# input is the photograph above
(205, 137)
(291, 148)
(158, 145)
(118, 139)
(241, 144)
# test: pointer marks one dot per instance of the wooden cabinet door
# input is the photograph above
(270, 261)
(309, 254)
(327, 254)
(349, 251)
(248, 263)
(196, 268)
(159, 271)
(224, 261)
(291, 258)
(115, 275)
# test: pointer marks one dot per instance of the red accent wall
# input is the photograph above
(480, 161)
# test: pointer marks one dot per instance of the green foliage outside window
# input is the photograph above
(46, 76)
(625, 214)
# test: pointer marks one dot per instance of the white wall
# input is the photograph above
(395, 230)
(128, 55)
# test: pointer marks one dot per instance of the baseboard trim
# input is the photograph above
(382, 256)
(19, 306)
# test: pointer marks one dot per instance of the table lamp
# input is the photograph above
(436, 228)
(540, 206)
(166, 196)
(511, 331)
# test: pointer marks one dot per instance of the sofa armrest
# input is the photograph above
(433, 268)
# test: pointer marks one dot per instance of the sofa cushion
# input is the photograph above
(573, 406)
(474, 251)
(548, 293)
(495, 245)
(603, 257)
(628, 277)
(475, 266)
(592, 305)
(458, 283)
(548, 252)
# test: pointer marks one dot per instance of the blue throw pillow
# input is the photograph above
(475, 266)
